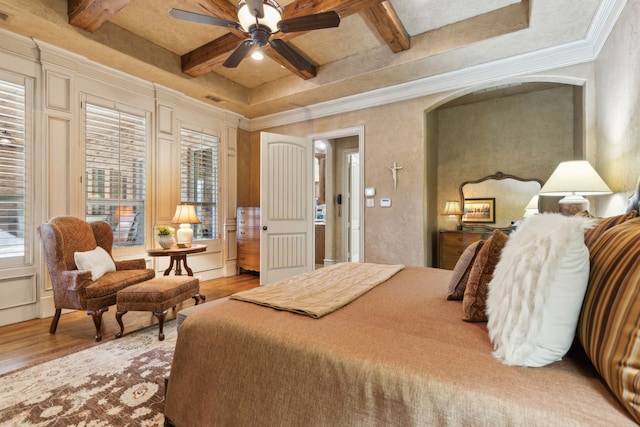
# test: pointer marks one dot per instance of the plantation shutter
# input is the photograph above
(115, 162)
(199, 180)
(13, 169)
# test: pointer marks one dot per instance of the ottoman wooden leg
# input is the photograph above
(198, 298)
(160, 315)
(119, 315)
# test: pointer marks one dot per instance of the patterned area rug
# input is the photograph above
(118, 383)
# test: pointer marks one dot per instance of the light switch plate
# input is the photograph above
(371, 203)
(369, 192)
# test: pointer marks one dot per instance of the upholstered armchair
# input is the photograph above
(64, 238)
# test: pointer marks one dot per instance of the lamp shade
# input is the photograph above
(247, 17)
(451, 207)
(185, 214)
(532, 207)
(575, 177)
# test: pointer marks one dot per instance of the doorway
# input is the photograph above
(338, 178)
(351, 217)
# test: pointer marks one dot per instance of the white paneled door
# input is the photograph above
(286, 206)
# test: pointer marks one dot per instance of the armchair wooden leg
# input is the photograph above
(54, 321)
(97, 321)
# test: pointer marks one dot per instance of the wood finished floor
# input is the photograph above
(29, 343)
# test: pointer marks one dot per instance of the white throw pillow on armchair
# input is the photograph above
(98, 261)
(537, 289)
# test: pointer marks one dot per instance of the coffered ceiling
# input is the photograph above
(377, 44)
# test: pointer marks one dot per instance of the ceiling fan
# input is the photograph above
(259, 20)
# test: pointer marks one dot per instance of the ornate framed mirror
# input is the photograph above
(496, 201)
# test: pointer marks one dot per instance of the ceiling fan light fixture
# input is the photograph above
(249, 18)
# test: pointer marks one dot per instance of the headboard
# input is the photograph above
(633, 203)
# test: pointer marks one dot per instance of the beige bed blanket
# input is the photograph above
(399, 355)
(321, 291)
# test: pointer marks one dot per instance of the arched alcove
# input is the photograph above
(523, 128)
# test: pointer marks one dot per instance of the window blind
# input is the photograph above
(199, 180)
(13, 169)
(115, 175)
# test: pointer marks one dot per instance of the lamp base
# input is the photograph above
(571, 205)
(185, 234)
(452, 222)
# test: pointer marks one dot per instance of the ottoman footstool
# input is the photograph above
(157, 295)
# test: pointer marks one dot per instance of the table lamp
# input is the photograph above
(452, 208)
(185, 216)
(574, 180)
(532, 207)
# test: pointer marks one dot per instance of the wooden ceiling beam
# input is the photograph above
(205, 59)
(89, 15)
(344, 8)
(218, 8)
(384, 19)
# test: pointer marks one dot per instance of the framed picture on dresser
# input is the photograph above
(481, 211)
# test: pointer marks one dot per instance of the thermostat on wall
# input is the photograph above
(385, 203)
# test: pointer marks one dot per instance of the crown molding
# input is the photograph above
(556, 57)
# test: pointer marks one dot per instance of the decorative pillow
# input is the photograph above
(475, 295)
(603, 224)
(460, 275)
(608, 328)
(98, 261)
(537, 290)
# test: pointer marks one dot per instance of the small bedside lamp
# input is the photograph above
(452, 208)
(185, 216)
(574, 179)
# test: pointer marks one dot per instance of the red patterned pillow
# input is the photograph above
(475, 295)
(608, 328)
(460, 275)
(603, 224)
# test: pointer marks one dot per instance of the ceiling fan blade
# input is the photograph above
(290, 54)
(315, 21)
(203, 19)
(238, 54)
(256, 8)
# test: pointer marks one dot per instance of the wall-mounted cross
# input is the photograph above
(394, 173)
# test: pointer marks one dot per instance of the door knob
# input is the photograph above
(264, 227)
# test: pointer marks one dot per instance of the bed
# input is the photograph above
(398, 355)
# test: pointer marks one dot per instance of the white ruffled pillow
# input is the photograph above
(98, 261)
(537, 289)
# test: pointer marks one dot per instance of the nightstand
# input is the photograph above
(451, 244)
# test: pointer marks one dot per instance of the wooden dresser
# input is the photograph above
(248, 238)
(451, 244)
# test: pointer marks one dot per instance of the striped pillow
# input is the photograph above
(608, 328)
(603, 224)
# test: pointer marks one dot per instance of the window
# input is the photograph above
(199, 180)
(14, 179)
(115, 153)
